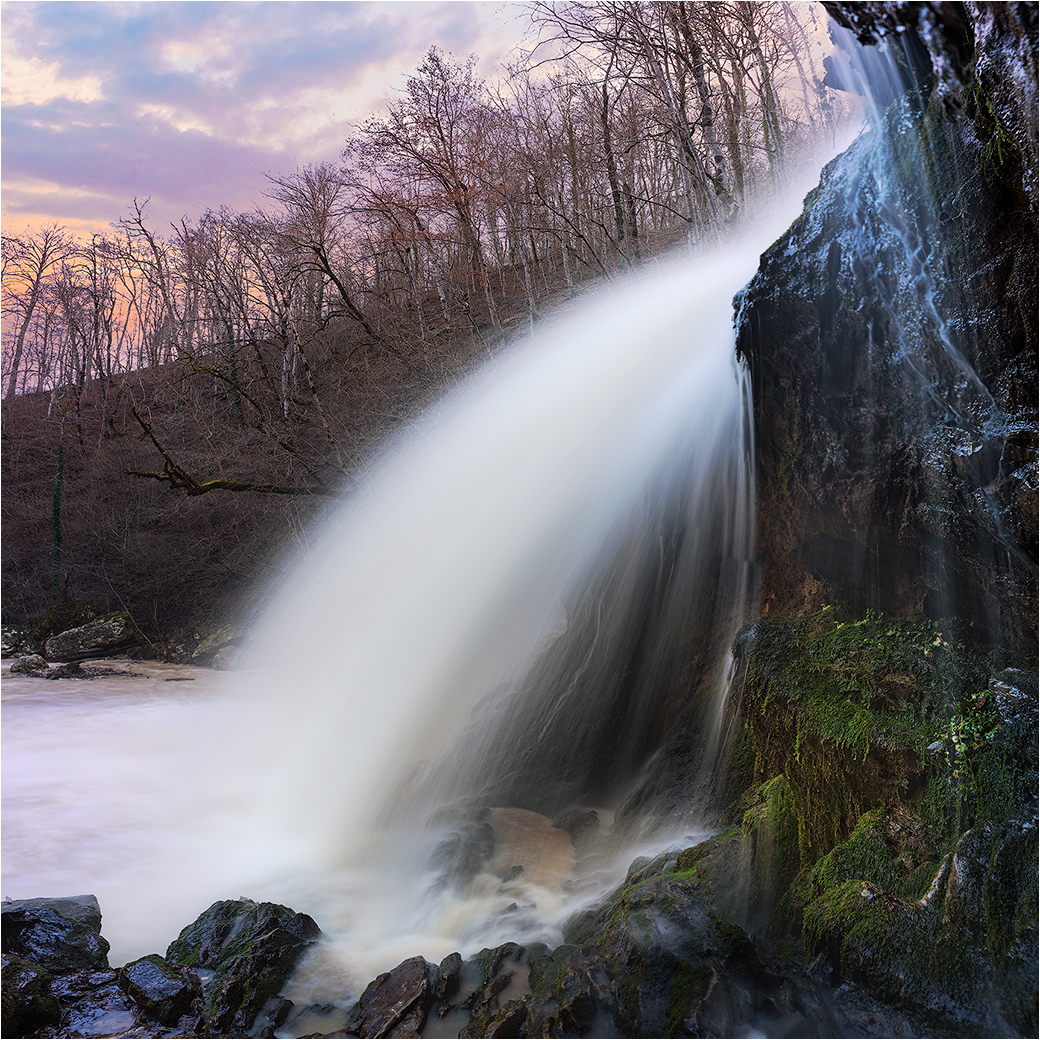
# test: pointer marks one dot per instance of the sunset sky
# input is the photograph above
(189, 104)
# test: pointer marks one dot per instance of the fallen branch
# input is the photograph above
(179, 478)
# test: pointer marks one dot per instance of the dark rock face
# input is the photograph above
(252, 948)
(59, 935)
(94, 639)
(892, 337)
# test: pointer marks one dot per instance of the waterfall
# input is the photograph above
(460, 694)
(442, 736)
(503, 613)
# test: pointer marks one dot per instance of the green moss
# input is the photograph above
(884, 850)
(689, 984)
(845, 710)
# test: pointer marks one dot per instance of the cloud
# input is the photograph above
(190, 103)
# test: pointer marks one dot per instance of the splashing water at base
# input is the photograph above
(433, 654)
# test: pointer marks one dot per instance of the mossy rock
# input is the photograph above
(963, 956)
(252, 947)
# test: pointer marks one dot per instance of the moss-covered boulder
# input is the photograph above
(252, 948)
(963, 956)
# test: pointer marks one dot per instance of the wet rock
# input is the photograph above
(467, 845)
(397, 1002)
(449, 978)
(273, 1015)
(30, 664)
(72, 670)
(95, 639)
(226, 658)
(28, 1002)
(93, 1004)
(893, 341)
(60, 935)
(253, 949)
(226, 638)
(162, 992)
(317, 1020)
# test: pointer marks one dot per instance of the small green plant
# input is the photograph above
(968, 733)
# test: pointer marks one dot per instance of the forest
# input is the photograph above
(268, 352)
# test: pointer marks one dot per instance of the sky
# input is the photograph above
(189, 104)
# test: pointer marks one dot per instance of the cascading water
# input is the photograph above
(927, 355)
(493, 636)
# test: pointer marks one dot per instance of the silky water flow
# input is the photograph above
(445, 712)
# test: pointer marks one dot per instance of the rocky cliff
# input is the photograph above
(892, 336)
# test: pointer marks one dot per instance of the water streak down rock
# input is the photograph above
(892, 337)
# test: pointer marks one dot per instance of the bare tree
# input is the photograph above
(27, 261)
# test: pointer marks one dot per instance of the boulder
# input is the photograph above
(227, 637)
(226, 658)
(253, 949)
(28, 1003)
(59, 935)
(163, 992)
(94, 639)
(30, 664)
(397, 1002)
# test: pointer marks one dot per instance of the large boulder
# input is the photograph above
(59, 935)
(397, 1002)
(252, 948)
(94, 639)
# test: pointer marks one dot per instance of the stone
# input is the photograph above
(71, 670)
(12, 641)
(94, 639)
(93, 1005)
(397, 1002)
(28, 1003)
(227, 637)
(30, 664)
(60, 935)
(226, 658)
(253, 949)
(164, 993)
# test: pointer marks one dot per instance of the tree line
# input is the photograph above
(459, 212)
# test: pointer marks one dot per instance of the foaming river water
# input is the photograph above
(110, 788)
